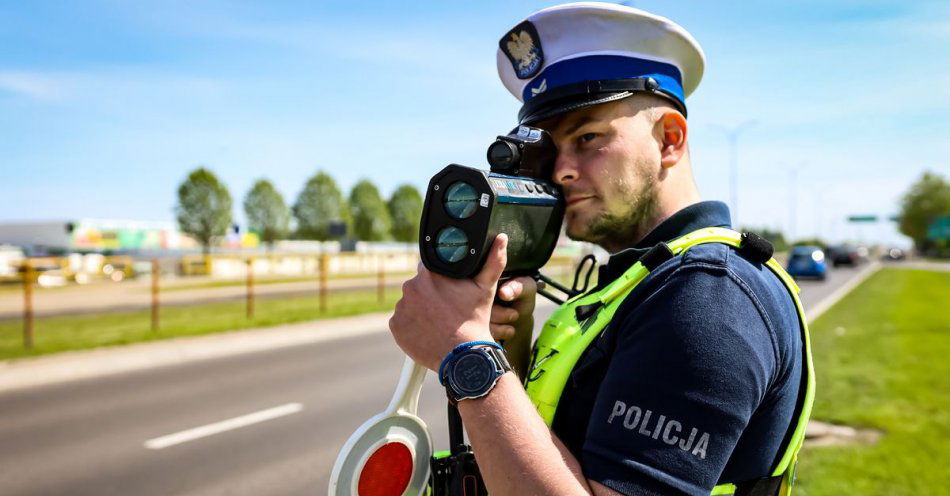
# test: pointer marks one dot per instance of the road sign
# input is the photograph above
(939, 229)
(862, 218)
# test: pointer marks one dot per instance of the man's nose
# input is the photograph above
(565, 169)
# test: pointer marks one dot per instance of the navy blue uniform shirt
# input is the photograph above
(696, 379)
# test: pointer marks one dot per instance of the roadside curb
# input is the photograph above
(817, 310)
(86, 364)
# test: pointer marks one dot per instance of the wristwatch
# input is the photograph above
(472, 372)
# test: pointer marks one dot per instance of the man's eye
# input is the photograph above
(587, 137)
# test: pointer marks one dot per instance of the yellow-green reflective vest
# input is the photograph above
(563, 339)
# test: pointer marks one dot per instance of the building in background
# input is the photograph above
(107, 236)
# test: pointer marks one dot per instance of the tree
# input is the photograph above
(318, 205)
(405, 209)
(204, 207)
(371, 220)
(267, 214)
(927, 199)
(812, 242)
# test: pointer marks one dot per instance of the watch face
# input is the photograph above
(472, 373)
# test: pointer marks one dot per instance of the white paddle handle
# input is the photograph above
(406, 397)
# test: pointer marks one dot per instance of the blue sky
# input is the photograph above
(106, 105)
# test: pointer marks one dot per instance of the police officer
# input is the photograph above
(686, 370)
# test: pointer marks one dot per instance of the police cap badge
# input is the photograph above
(523, 48)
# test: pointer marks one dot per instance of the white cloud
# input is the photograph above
(32, 85)
(113, 87)
(926, 22)
(375, 42)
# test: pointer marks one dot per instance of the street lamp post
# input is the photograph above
(733, 135)
(792, 205)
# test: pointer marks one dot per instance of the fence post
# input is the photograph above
(27, 304)
(381, 280)
(250, 287)
(324, 266)
(156, 273)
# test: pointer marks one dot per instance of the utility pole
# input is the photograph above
(733, 135)
(28, 275)
(156, 273)
(792, 206)
(250, 287)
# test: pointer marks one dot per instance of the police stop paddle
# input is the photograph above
(389, 454)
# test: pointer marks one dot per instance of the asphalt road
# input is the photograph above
(89, 437)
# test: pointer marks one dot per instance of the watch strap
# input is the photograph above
(459, 349)
(498, 359)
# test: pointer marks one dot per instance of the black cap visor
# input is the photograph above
(586, 94)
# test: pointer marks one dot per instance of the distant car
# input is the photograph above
(894, 254)
(807, 261)
(848, 255)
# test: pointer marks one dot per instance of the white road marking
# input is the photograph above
(225, 425)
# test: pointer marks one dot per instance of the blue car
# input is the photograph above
(807, 261)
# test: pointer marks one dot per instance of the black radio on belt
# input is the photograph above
(466, 208)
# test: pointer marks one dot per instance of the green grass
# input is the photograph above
(390, 276)
(8, 287)
(56, 334)
(881, 356)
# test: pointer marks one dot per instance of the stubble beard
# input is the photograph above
(623, 228)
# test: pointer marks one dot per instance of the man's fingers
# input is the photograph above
(529, 286)
(510, 290)
(501, 331)
(503, 315)
(494, 264)
(517, 288)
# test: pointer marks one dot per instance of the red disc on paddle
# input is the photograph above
(387, 471)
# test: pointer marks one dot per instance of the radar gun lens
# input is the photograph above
(461, 200)
(451, 244)
(502, 155)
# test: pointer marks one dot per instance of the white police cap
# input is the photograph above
(576, 55)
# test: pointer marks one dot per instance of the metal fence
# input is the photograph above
(59, 286)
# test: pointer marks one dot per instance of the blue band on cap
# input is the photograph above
(604, 67)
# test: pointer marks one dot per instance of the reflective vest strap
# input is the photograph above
(629, 280)
(706, 235)
(723, 489)
(787, 279)
(702, 236)
(766, 486)
(787, 463)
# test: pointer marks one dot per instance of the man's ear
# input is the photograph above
(672, 130)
